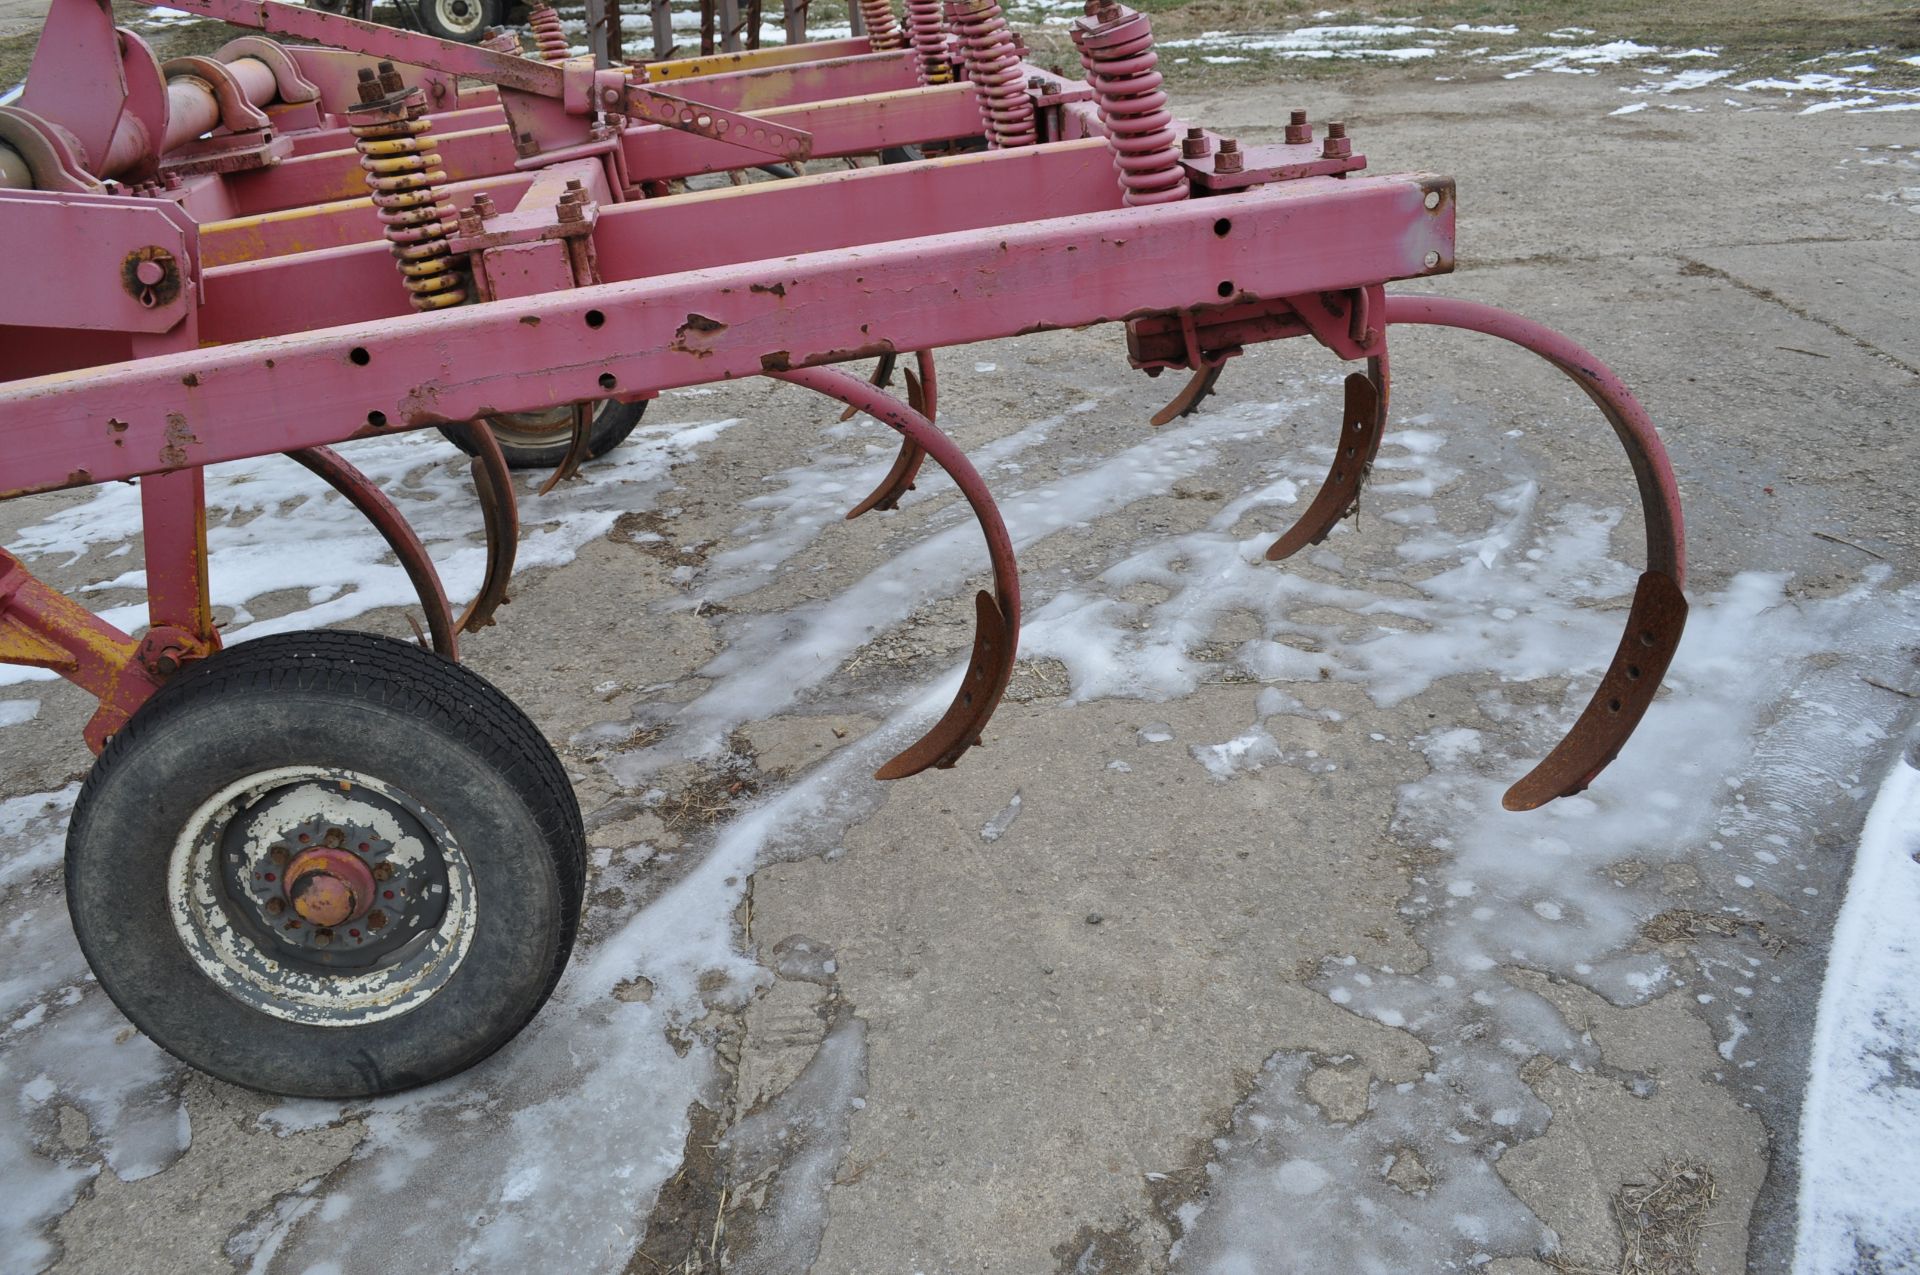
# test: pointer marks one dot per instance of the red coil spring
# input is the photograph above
(1116, 46)
(929, 41)
(993, 64)
(548, 36)
(882, 32)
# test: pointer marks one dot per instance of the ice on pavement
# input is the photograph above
(265, 515)
(1860, 1123)
(1520, 588)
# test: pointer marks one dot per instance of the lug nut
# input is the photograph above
(278, 854)
(376, 919)
(276, 906)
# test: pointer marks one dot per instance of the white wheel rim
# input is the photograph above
(200, 906)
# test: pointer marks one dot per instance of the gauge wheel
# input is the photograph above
(463, 20)
(538, 440)
(327, 865)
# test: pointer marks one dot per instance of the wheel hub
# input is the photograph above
(329, 887)
(334, 894)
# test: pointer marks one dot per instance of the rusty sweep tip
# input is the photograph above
(988, 672)
(1654, 625)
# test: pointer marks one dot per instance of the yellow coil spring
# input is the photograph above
(404, 175)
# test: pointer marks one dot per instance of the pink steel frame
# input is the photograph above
(281, 325)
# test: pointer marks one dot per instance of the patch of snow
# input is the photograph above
(1860, 1122)
(17, 712)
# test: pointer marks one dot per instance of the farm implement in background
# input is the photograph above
(335, 864)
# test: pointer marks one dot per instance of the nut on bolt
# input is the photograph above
(1299, 132)
(1338, 145)
(1229, 160)
(1195, 145)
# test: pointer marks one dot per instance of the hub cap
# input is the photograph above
(460, 15)
(321, 896)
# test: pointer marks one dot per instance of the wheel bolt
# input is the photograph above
(376, 919)
(382, 871)
(278, 854)
(276, 906)
(322, 937)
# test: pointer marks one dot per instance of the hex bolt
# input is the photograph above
(483, 204)
(1195, 145)
(1299, 132)
(1229, 159)
(369, 86)
(390, 79)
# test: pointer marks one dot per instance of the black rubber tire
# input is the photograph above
(612, 422)
(465, 21)
(388, 710)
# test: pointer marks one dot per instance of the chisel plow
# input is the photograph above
(330, 863)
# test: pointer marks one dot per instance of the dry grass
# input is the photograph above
(1661, 1223)
(709, 799)
(1685, 925)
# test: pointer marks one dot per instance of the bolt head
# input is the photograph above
(1433, 199)
(1432, 259)
(150, 272)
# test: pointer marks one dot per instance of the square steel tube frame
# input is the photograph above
(199, 407)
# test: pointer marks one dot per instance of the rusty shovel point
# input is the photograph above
(1188, 400)
(1353, 456)
(500, 511)
(907, 461)
(988, 673)
(897, 483)
(1654, 625)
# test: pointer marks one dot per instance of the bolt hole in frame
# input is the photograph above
(512, 235)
